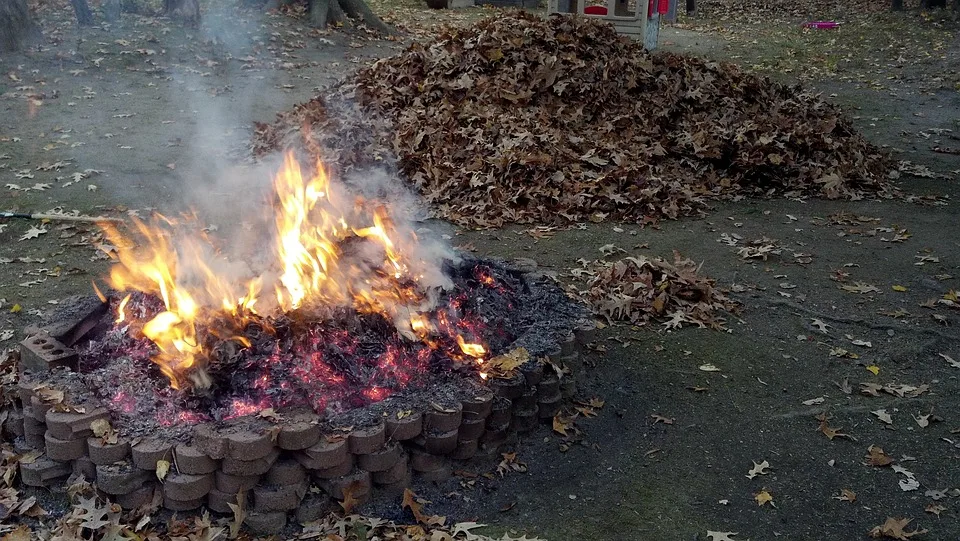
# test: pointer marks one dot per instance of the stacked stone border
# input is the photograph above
(293, 469)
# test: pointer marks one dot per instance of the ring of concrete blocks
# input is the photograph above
(278, 471)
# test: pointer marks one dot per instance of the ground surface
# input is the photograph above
(160, 114)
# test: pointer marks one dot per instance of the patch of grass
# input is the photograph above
(869, 49)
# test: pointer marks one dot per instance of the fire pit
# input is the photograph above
(376, 356)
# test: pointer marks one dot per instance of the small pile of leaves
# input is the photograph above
(527, 120)
(639, 290)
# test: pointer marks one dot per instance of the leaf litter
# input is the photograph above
(524, 120)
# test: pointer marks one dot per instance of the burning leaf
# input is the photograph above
(894, 528)
(763, 497)
(876, 457)
(846, 495)
(758, 469)
(410, 501)
(163, 467)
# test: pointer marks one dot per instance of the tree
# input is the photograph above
(111, 9)
(327, 12)
(82, 9)
(358, 9)
(187, 10)
(15, 24)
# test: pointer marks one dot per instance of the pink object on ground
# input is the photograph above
(822, 25)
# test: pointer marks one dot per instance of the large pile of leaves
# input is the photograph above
(524, 119)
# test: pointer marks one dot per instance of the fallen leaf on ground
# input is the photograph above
(721, 536)
(883, 416)
(763, 497)
(33, 233)
(350, 500)
(846, 495)
(876, 457)
(758, 469)
(410, 501)
(949, 359)
(830, 432)
(935, 508)
(894, 528)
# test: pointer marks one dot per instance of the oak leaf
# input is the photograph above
(876, 457)
(763, 497)
(349, 496)
(894, 528)
(758, 469)
(410, 501)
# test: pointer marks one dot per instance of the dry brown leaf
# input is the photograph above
(894, 528)
(876, 457)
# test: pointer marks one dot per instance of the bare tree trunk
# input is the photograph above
(359, 9)
(15, 24)
(186, 10)
(319, 11)
(111, 10)
(84, 15)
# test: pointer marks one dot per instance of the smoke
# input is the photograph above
(224, 227)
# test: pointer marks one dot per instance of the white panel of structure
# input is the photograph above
(631, 22)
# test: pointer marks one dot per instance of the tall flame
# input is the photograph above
(331, 250)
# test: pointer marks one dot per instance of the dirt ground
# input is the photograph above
(146, 115)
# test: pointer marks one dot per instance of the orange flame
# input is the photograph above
(120, 315)
(473, 350)
(328, 253)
